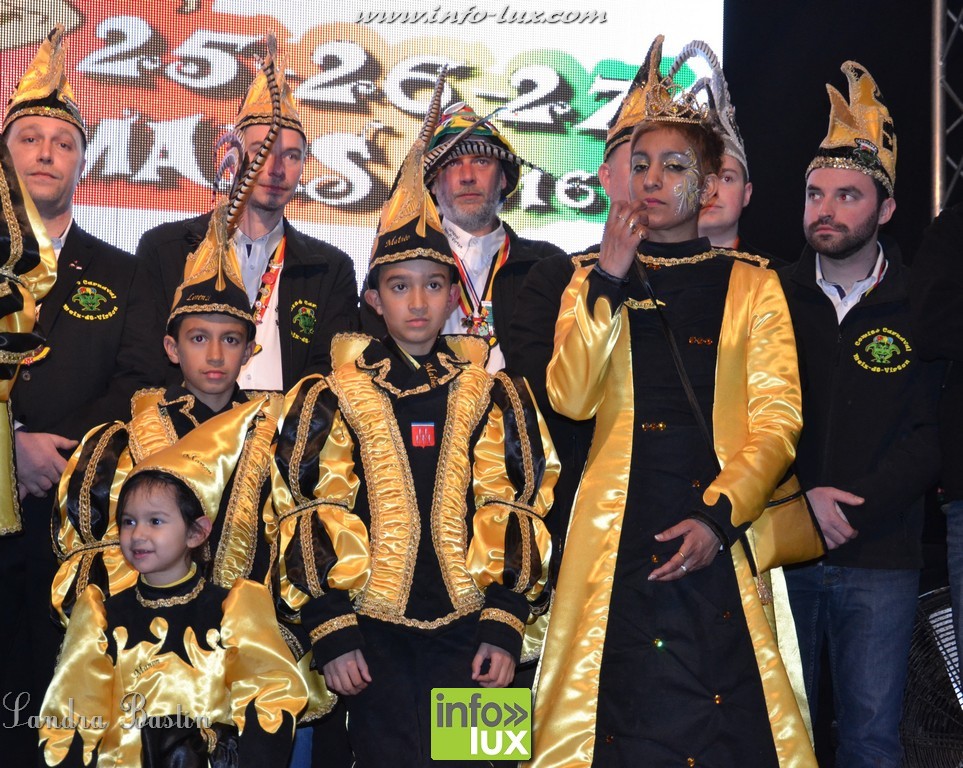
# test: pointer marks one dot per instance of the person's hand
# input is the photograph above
(627, 224)
(347, 674)
(832, 522)
(39, 462)
(698, 548)
(501, 669)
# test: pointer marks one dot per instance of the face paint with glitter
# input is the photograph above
(686, 191)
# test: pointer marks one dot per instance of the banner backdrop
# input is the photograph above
(159, 81)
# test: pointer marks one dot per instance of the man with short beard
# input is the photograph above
(471, 175)
(868, 450)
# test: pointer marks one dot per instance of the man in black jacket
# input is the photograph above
(303, 290)
(868, 450)
(95, 321)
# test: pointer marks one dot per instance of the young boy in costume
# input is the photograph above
(412, 486)
(175, 670)
(659, 652)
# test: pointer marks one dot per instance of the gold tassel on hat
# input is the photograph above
(43, 90)
(861, 134)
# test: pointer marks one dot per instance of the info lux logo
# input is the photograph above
(481, 724)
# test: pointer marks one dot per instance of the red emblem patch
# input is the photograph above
(422, 434)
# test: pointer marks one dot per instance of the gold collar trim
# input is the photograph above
(167, 602)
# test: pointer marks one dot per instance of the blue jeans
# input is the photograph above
(954, 560)
(866, 617)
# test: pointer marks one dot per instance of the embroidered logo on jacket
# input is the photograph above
(882, 350)
(303, 320)
(92, 301)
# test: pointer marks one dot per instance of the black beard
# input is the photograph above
(850, 240)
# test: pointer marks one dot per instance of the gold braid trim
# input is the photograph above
(307, 552)
(414, 253)
(291, 641)
(90, 473)
(387, 612)
(383, 367)
(10, 216)
(333, 625)
(167, 602)
(497, 614)
(301, 441)
(528, 462)
(391, 488)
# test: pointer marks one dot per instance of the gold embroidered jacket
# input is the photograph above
(412, 495)
(755, 422)
(201, 655)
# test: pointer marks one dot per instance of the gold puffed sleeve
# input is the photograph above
(757, 375)
(588, 326)
(514, 473)
(259, 667)
(323, 545)
(79, 698)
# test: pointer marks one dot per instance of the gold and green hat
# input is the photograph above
(258, 106)
(861, 135)
(460, 133)
(43, 90)
(410, 227)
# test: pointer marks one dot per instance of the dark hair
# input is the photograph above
(174, 326)
(187, 503)
(373, 280)
(706, 142)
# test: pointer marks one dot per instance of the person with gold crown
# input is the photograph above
(471, 175)
(869, 450)
(412, 487)
(660, 650)
(303, 290)
(95, 320)
(177, 669)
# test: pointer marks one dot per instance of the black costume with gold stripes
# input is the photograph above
(410, 511)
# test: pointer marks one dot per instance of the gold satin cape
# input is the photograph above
(756, 423)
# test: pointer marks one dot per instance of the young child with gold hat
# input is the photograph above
(175, 670)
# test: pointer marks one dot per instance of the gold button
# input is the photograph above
(690, 762)
(655, 559)
(717, 699)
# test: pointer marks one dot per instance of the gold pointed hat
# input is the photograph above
(861, 135)
(43, 90)
(654, 98)
(258, 107)
(206, 457)
(410, 227)
(212, 274)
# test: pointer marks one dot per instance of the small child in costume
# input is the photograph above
(175, 670)
(411, 490)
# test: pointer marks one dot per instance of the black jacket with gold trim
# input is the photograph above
(412, 495)
(202, 673)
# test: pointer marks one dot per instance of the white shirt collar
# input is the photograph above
(842, 301)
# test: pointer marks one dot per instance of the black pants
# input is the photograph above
(389, 721)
